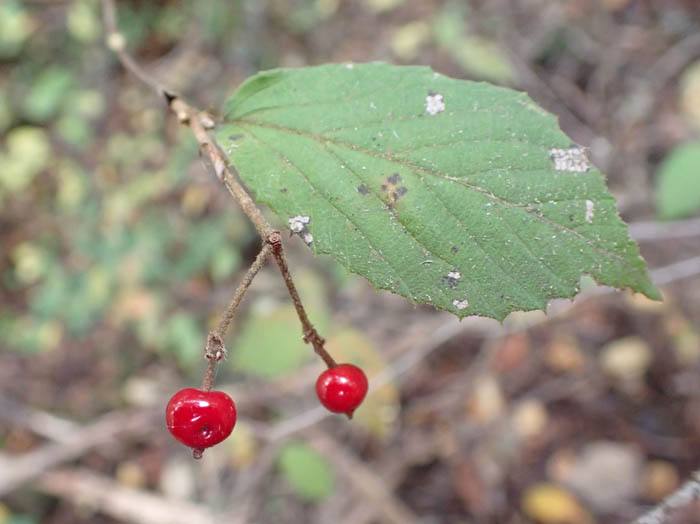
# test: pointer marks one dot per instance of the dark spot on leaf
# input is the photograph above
(283, 190)
(451, 282)
(235, 137)
(454, 250)
(363, 189)
(374, 138)
(392, 189)
(571, 218)
(431, 92)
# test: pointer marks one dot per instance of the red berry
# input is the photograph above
(342, 388)
(200, 419)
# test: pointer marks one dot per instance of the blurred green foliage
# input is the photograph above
(107, 229)
(678, 182)
(308, 473)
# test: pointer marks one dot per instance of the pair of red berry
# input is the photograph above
(200, 419)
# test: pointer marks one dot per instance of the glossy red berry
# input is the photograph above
(200, 419)
(342, 388)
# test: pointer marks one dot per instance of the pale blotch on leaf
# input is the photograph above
(349, 66)
(573, 159)
(452, 278)
(434, 104)
(590, 210)
(297, 225)
(460, 304)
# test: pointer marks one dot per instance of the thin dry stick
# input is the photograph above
(107, 430)
(126, 504)
(684, 496)
(311, 336)
(199, 122)
(215, 351)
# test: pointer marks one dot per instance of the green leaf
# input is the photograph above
(307, 472)
(678, 182)
(458, 194)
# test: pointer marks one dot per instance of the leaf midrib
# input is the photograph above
(389, 157)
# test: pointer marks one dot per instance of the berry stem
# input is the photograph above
(311, 336)
(227, 317)
(199, 122)
(215, 351)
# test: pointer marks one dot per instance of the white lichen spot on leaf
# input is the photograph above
(454, 275)
(590, 210)
(298, 226)
(434, 104)
(572, 159)
(460, 304)
(298, 223)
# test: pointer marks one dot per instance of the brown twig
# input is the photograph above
(311, 336)
(686, 495)
(110, 429)
(126, 504)
(199, 122)
(215, 350)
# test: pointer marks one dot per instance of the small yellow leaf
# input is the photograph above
(626, 358)
(549, 503)
(408, 39)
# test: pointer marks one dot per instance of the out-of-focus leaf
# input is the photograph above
(224, 262)
(550, 504)
(20, 519)
(185, 337)
(678, 182)
(180, 157)
(448, 25)
(408, 38)
(50, 297)
(88, 103)
(72, 186)
(303, 15)
(28, 152)
(242, 446)
(15, 27)
(269, 344)
(83, 22)
(5, 110)
(46, 93)
(202, 243)
(378, 412)
(690, 94)
(379, 6)
(484, 59)
(307, 472)
(74, 130)
(30, 262)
